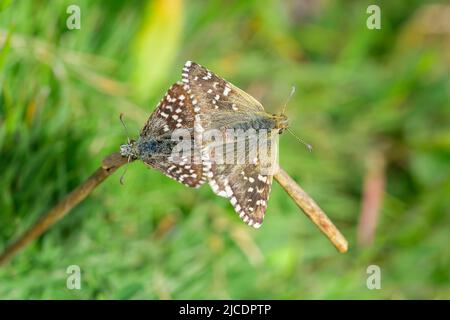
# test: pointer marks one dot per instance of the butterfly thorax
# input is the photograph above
(147, 149)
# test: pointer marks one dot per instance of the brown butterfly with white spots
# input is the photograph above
(219, 105)
(156, 142)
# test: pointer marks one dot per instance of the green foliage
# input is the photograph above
(358, 90)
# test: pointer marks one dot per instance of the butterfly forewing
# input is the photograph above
(218, 101)
(174, 114)
(174, 111)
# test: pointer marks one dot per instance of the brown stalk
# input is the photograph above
(112, 162)
(109, 164)
(312, 210)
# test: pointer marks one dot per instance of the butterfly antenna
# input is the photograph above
(126, 129)
(307, 145)
(124, 172)
(129, 142)
(288, 99)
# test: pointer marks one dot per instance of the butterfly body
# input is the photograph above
(146, 149)
(263, 121)
(154, 149)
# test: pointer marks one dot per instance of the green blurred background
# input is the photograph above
(373, 103)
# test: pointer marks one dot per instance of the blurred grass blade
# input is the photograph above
(4, 50)
(4, 4)
(156, 45)
(374, 187)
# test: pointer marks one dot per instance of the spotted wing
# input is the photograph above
(174, 111)
(217, 102)
(244, 173)
(247, 189)
(174, 115)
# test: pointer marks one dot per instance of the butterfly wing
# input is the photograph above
(247, 190)
(245, 181)
(218, 104)
(175, 112)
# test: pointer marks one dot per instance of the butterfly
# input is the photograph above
(156, 143)
(219, 105)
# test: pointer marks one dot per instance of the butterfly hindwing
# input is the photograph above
(247, 190)
(189, 174)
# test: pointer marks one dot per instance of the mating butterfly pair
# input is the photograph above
(201, 102)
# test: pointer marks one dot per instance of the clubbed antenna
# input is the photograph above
(288, 99)
(125, 127)
(124, 172)
(129, 142)
(307, 145)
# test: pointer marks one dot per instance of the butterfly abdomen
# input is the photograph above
(151, 148)
(258, 123)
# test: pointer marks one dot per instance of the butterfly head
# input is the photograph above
(282, 122)
(129, 150)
